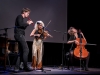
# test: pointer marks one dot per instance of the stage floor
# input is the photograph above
(54, 70)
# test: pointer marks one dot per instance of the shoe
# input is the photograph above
(20, 68)
(86, 69)
(27, 69)
(72, 68)
(39, 69)
(82, 68)
(33, 68)
(16, 70)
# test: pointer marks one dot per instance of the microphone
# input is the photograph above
(59, 31)
(54, 30)
(65, 32)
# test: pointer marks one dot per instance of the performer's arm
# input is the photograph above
(21, 23)
(33, 33)
(72, 40)
(48, 35)
(69, 42)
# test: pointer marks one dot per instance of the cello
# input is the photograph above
(80, 51)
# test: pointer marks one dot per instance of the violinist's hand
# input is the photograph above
(37, 35)
(50, 35)
(29, 22)
(76, 42)
(81, 33)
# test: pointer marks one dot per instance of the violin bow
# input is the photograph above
(48, 24)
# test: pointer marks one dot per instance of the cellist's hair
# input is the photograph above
(70, 31)
(71, 28)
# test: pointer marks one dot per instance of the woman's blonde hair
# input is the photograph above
(70, 30)
(36, 24)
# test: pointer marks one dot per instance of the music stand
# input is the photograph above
(68, 55)
(5, 36)
(62, 65)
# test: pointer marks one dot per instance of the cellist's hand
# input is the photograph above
(81, 33)
(76, 42)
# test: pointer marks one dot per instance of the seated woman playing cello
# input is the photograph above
(75, 52)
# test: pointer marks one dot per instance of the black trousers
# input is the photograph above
(23, 50)
(84, 62)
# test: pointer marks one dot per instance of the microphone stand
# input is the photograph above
(62, 66)
(68, 56)
(62, 46)
(62, 52)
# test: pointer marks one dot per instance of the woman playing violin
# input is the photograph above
(72, 40)
(37, 48)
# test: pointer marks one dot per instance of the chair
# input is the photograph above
(8, 48)
(13, 47)
(4, 44)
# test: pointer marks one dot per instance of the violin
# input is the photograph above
(80, 51)
(30, 20)
(44, 32)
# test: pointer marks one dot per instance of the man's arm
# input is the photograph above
(21, 23)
